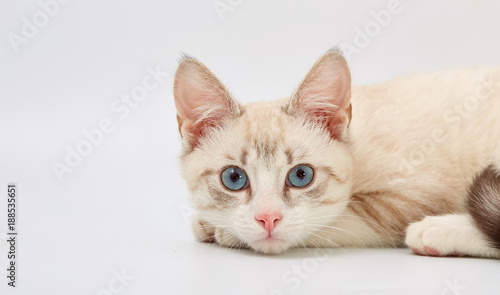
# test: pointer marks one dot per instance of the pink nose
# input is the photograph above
(268, 220)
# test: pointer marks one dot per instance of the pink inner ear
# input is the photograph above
(201, 100)
(201, 111)
(324, 96)
(191, 100)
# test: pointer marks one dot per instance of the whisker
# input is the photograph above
(330, 241)
(342, 230)
(360, 217)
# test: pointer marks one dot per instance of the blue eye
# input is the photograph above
(234, 178)
(300, 176)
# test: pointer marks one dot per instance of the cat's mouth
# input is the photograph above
(270, 245)
(269, 239)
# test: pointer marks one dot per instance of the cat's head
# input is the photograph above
(266, 175)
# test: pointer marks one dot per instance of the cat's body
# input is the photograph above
(417, 142)
(412, 149)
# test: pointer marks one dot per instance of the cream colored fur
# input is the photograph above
(411, 150)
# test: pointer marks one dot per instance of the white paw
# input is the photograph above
(203, 231)
(226, 238)
(209, 233)
(433, 236)
(448, 235)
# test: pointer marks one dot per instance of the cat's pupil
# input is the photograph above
(301, 173)
(235, 176)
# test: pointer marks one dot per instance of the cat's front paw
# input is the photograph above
(448, 235)
(208, 233)
(228, 239)
(203, 231)
(431, 236)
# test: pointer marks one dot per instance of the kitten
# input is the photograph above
(414, 160)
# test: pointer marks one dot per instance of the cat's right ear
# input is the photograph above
(201, 100)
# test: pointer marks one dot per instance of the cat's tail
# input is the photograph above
(484, 204)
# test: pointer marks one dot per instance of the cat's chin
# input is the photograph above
(270, 246)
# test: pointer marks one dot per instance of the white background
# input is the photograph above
(125, 206)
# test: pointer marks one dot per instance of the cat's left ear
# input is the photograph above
(202, 102)
(324, 95)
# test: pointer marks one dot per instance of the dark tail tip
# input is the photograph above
(484, 204)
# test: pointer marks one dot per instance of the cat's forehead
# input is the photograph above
(264, 127)
(264, 122)
(264, 137)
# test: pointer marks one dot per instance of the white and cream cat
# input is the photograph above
(411, 161)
